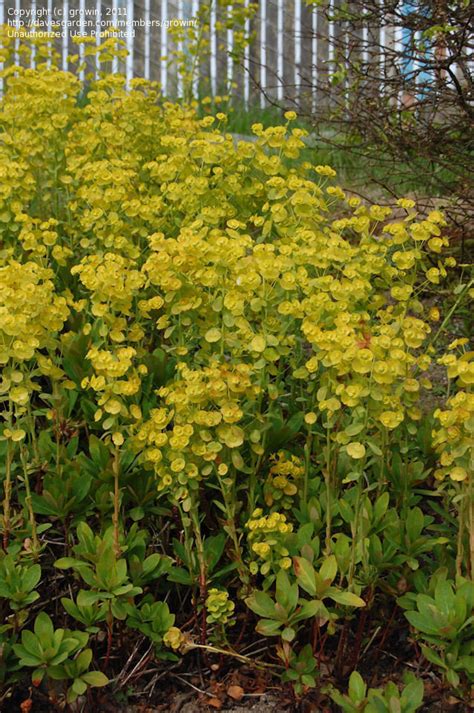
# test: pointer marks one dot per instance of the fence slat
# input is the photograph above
(195, 13)
(115, 64)
(33, 20)
(164, 48)
(146, 41)
(263, 51)
(82, 8)
(98, 18)
(280, 56)
(230, 48)
(331, 38)
(297, 46)
(314, 54)
(17, 22)
(213, 57)
(180, 49)
(129, 26)
(247, 59)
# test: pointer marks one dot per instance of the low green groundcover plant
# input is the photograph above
(214, 370)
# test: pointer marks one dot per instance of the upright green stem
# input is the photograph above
(28, 502)
(355, 532)
(7, 486)
(460, 545)
(202, 568)
(327, 480)
(470, 509)
(307, 464)
(229, 504)
(116, 514)
(34, 441)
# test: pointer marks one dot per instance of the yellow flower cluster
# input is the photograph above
(174, 638)
(31, 313)
(266, 538)
(454, 439)
(201, 277)
(282, 482)
(219, 609)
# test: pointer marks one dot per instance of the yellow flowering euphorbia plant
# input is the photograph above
(214, 364)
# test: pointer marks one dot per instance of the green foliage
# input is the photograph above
(18, 582)
(101, 570)
(300, 669)
(444, 620)
(153, 620)
(281, 615)
(48, 651)
(214, 416)
(389, 699)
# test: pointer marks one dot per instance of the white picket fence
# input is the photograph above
(292, 43)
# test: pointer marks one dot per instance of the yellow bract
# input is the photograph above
(356, 450)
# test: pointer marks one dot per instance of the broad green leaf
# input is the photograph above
(305, 575)
(262, 604)
(44, 629)
(31, 577)
(288, 633)
(328, 569)
(268, 627)
(357, 687)
(307, 610)
(95, 678)
(348, 599)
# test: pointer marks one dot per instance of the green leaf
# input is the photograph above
(44, 628)
(79, 686)
(286, 594)
(357, 687)
(422, 623)
(288, 633)
(348, 599)
(307, 610)
(95, 678)
(83, 661)
(99, 452)
(262, 604)
(214, 549)
(31, 643)
(328, 569)
(268, 627)
(25, 657)
(90, 598)
(37, 676)
(180, 576)
(412, 696)
(31, 577)
(67, 563)
(305, 575)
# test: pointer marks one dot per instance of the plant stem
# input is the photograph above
(116, 515)
(8, 493)
(28, 503)
(445, 321)
(307, 463)
(327, 480)
(229, 504)
(110, 628)
(471, 528)
(202, 569)
(355, 532)
(460, 546)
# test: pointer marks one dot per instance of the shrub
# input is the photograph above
(213, 369)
